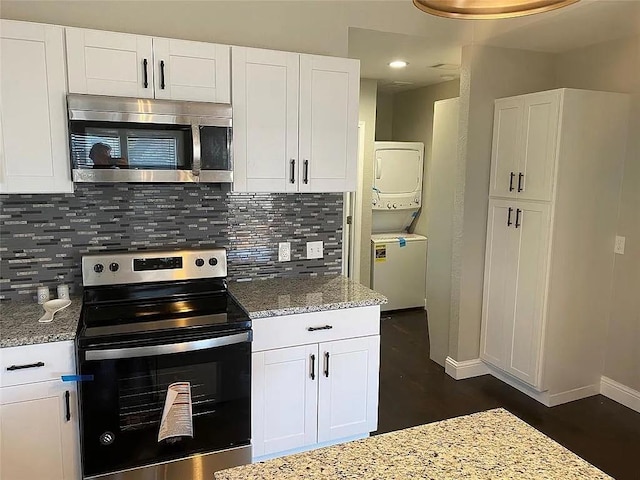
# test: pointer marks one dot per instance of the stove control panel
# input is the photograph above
(149, 266)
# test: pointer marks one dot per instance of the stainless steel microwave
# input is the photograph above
(114, 139)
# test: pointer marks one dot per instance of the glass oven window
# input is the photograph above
(122, 406)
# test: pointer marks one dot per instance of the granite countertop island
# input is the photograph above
(487, 445)
(286, 296)
(19, 323)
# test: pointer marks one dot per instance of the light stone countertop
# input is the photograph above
(488, 445)
(19, 323)
(286, 296)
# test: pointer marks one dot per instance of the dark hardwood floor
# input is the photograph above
(415, 390)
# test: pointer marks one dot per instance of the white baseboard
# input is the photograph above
(465, 368)
(620, 393)
(571, 395)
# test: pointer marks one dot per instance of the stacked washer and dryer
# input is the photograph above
(398, 258)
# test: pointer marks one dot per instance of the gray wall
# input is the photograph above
(384, 117)
(615, 66)
(413, 122)
(487, 73)
(44, 236)
(368, 94)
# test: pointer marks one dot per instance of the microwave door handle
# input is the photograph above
(378, 168)
(153, 350)
(197, 158)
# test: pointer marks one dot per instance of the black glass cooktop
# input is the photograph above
(152, 313)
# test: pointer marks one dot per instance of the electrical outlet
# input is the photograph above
(284, 251)
(619, 246)
(314, 250)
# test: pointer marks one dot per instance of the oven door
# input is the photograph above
(123, 394)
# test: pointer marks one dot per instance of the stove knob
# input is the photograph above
(388, 205)
(199, 262)
(98, 268)
(114, 267)
(213, 261)
(395, 206)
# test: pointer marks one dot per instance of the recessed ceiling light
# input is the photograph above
(398, 64)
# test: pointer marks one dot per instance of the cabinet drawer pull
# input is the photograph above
(305, 175)
(314, 329)
(509, 222)
(28, 365)
(162, 74)
(326, 364)
(520, 178)
(67, 415)
(518, 211)
(313, 367)
(145, 82)
(292, 170)
(511, 177)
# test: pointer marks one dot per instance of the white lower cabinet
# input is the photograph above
(348, 388)
(315, 393)
(38, 421)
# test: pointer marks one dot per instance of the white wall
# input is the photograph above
(487, 73)
(368, 94)
(615, 66)
(440, 195)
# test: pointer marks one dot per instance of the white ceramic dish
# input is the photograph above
(51, 307)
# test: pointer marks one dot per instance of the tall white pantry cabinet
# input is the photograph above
(556, 173)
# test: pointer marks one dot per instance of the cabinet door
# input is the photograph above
(34, 156)
(500, 270)
(265, 120)
(193, 71)
(329, 96)
(36, 439)
(532, 258)
(285, 399)
(348, 396)
(108, 63)
(538, 160)
(505, 150)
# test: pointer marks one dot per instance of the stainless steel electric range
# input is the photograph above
(151, 321)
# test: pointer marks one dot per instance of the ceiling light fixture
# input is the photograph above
(398, 64)
(488, 9)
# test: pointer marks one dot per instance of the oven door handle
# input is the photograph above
(153, 350)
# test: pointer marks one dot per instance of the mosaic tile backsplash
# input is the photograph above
(43, 237)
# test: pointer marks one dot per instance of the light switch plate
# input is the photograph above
(284, 251)
(314, 250)
(619, 247)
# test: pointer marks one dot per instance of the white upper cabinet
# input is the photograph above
(329, 96)
(265, 120)
(121, 64)
(507, 129)
(192, 71)
(295, 121)
(34, 156)
(109, 63)
(540, 132)
(524, 146)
